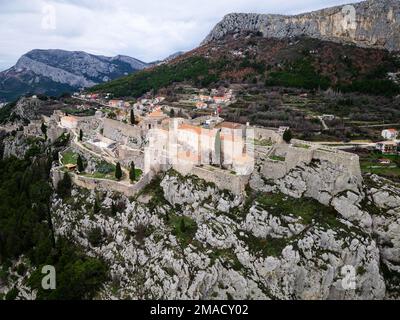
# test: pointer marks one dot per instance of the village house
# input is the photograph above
(116, 103)
(384, 161)
(201, 105)
(205, 98)
(390, 134)
(282, 130)
(221, 99)
(153, 119)
(387, 147)
(328, 117)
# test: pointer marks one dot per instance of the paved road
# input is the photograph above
(379, 125)
(346, 145)
(90, 101)
(324, 125)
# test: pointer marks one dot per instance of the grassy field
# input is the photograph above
(69, 158)
(370, 164)
(308, 209)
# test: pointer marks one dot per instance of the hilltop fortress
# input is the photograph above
(230, 155)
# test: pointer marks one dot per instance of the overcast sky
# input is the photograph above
(144, 29)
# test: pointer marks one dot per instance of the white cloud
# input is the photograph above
(144, 29)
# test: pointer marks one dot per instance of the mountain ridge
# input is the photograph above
(376, 24)
(55, 71)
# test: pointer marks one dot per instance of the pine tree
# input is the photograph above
(287, 136)
(80, 135)
(132, 172)
(118, 171)
(44, 129)
(133, 121)
(79, 163)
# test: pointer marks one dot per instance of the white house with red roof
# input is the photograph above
(390, 134)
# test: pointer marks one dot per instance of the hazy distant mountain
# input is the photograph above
(169, 58)
(53, 72)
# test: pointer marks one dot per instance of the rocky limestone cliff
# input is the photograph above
(376, 24)
(280, 240)
(242, 248)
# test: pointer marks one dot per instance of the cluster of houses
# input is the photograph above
(214, 99)
(391, 145)
(147, 104)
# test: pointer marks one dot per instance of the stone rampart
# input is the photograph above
(102, 184)
(121, 132)
(223, 179)
(267, 134)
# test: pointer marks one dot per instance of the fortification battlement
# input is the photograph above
(285, 157)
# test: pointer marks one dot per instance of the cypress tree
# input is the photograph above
(132, 172)
(133, 121)
(79, 163)
(287, 136)
(80, 135)
(44, 129)
(118, 171)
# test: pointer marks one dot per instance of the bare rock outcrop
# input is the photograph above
(372, 23)
(241, 248)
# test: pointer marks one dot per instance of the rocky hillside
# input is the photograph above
(373, 23)
(185, 239)
(293, 237)
(53, 72)
(250, 58)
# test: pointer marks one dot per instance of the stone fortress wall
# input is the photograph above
(128, 190)
(124, 133)
(336, 171)
(128, 156)
(222, 179)
(275, 161)
(297, 153)
(107, 185)
(267, 134)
